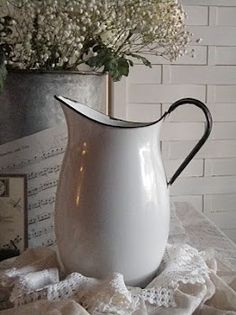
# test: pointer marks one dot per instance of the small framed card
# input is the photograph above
(13, 212)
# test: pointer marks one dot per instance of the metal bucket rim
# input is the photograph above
(65, 72)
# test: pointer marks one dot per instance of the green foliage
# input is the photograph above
(144, 60)
(3, 71)
(117, 66)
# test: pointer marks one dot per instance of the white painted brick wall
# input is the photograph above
(212, 149)
(220, 167)
(220, 202)
(226, 16)
(196, 15)
(153, 93)
(225, 55)
(209, 182)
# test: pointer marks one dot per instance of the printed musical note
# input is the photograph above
(42, 203)
(40, 218)
(34, 160)
(40, 157)
(43, 186)
(44, 172)
(48, 242)
(37, 233)
(52, 152)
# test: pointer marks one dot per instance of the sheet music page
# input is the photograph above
(40, 157)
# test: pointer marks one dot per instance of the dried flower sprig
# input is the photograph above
(106, 35)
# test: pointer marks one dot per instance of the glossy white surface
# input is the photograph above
(112, 207)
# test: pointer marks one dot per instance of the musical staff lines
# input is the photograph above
(40, 157)
(40, 218)
(42, 187)
(42, 203)
(34, 160)
(38, 233)
(44, 172)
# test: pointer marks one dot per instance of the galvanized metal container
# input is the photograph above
(27, 104)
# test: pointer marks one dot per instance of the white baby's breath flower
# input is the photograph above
(51, 34)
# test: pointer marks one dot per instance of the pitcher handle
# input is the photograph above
(208, 127)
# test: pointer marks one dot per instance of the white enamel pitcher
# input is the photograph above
(112, 206)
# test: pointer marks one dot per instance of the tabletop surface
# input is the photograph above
(191, 226)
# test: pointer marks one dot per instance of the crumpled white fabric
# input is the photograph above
(186, 283)
(44, 307)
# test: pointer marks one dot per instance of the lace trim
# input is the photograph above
(181, 264)
(157, 297)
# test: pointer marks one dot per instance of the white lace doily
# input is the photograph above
(35, 276)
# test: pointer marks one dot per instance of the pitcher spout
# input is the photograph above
(93, 115)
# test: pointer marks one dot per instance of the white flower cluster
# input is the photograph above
(62, 34)
(148, 26)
